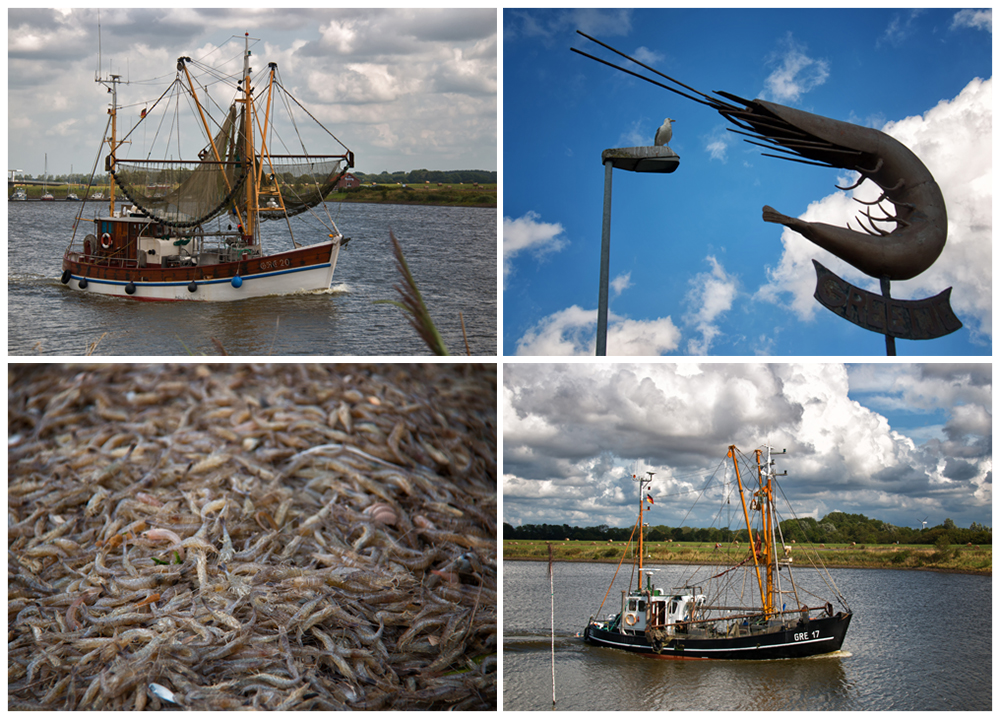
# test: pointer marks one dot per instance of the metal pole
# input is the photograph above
(890, 341)
(602, 297)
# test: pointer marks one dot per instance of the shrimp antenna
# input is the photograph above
(709, 100)
(754, 119)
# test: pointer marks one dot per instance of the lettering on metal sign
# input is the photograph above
(907, 319)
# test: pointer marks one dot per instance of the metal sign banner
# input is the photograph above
(907, 319)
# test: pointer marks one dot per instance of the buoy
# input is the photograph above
(83, 283)
(106, 241)
(130, 288)
(237, 282)
(66, 275)
(193, 286)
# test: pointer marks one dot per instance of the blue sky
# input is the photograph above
(694, 269)
(896, 441)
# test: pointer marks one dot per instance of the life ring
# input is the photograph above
(631, 619)
(106, 241)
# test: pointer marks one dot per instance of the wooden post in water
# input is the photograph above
(552, 633)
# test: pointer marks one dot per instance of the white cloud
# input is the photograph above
(796, 73)
(976, 19)
(900, 28)
(954, 140)
(650, 57)
(621, 283)
(718, 142)
(571, 429)
(528, 233)
(711, 295)
(573, 332)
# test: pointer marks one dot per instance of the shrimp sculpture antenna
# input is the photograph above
(918, 209)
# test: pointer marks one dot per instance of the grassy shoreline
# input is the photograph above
(955, 559)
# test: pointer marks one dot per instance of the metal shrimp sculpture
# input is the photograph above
(919, 214)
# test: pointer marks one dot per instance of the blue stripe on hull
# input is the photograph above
(185, 283)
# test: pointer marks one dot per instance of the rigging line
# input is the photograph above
(828, 578)
(93, 173)
(292, 98)
(169, 88)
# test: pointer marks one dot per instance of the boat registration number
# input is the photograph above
(803, 636)
(281, 262)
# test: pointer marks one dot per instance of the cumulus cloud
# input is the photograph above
(795, 73)
(573, 332)
(710, 296)
(954, 140)
(528, 232)
(573, 431)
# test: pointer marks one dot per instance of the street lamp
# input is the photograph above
(661, 160)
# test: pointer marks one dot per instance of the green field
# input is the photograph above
(964, 559)
(455, 194)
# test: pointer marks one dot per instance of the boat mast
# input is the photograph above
(642, 501)
(249, 153)
(109, 164)
(746, 517)
(765, 498)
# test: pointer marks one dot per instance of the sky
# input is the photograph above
(405, 89)
(898, 442)
(693, 268)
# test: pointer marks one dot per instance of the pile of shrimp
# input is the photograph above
(283, 537)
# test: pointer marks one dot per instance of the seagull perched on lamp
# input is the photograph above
(664, 133)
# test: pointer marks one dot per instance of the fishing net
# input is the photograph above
(290, 186)
(186, 194)
(252, 536)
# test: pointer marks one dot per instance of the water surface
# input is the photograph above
(452, 252)
(918, 641)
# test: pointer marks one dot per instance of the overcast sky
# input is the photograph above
(694, 269)
(404, 89)
(896, 442)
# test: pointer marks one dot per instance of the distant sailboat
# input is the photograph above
(45, 188)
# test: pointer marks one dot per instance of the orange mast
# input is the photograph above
(764, 592)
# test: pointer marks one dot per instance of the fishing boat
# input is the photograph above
(20, 195)
(748, 608)
(192, 229)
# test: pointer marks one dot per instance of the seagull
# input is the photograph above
(664, 134)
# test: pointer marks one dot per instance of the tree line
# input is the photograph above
(834, 528)
(433, 176)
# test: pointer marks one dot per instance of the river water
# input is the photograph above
(451, 251)
(918, 641)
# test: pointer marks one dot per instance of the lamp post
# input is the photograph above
(635, 159)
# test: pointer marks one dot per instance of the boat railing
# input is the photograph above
(100, 260)
(753, 614)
